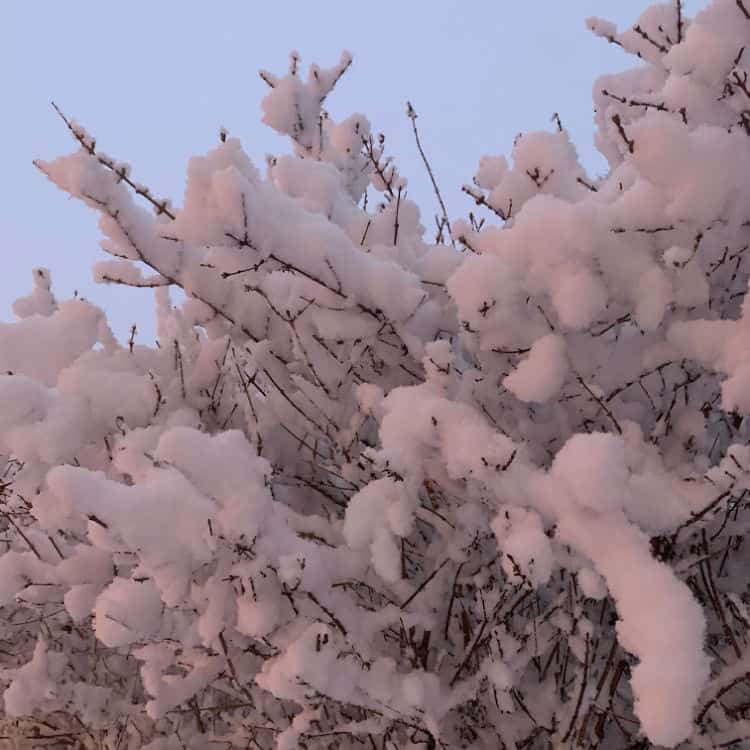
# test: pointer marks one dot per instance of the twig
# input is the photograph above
(90, 146)
(584, 683)
(618, 123)
(179, 367)
(335, 620)
(601, 403)
(587, 184)
(8, 517)
(480, 200)
(412, 115)
(424, 583)
(644, 35)
(469, 653)
(450, 603)
(395, 222)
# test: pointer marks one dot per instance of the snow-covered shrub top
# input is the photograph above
(369, 491)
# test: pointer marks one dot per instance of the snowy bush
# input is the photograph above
(371, 490)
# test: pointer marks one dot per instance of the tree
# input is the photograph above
(370, 490)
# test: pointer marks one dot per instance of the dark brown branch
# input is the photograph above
(480, 200)
(469, 653)
(586, 184)
(90, 146)
(380, 169)
(621, 130)
(145, 284)
(412, 115)
(584, 684)
(395, 221)
(644, 35)
(424, 583)
(335, 620)
(601, 403)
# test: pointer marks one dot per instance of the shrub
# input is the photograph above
(375, 490)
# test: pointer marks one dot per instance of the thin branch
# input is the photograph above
(412, 115)
(480, 200)
(621, 130)
(645, 35)
(161, 207)
(424, 583)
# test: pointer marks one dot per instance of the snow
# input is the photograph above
(370, 487)
(526, 549)
(541, 375)
(127, 612)
(37, 683)
(58, 339)
(41, 301)
(593, 469)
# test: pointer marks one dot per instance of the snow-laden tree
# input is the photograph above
(371, 490)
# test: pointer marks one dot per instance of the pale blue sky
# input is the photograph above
(154, 81)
